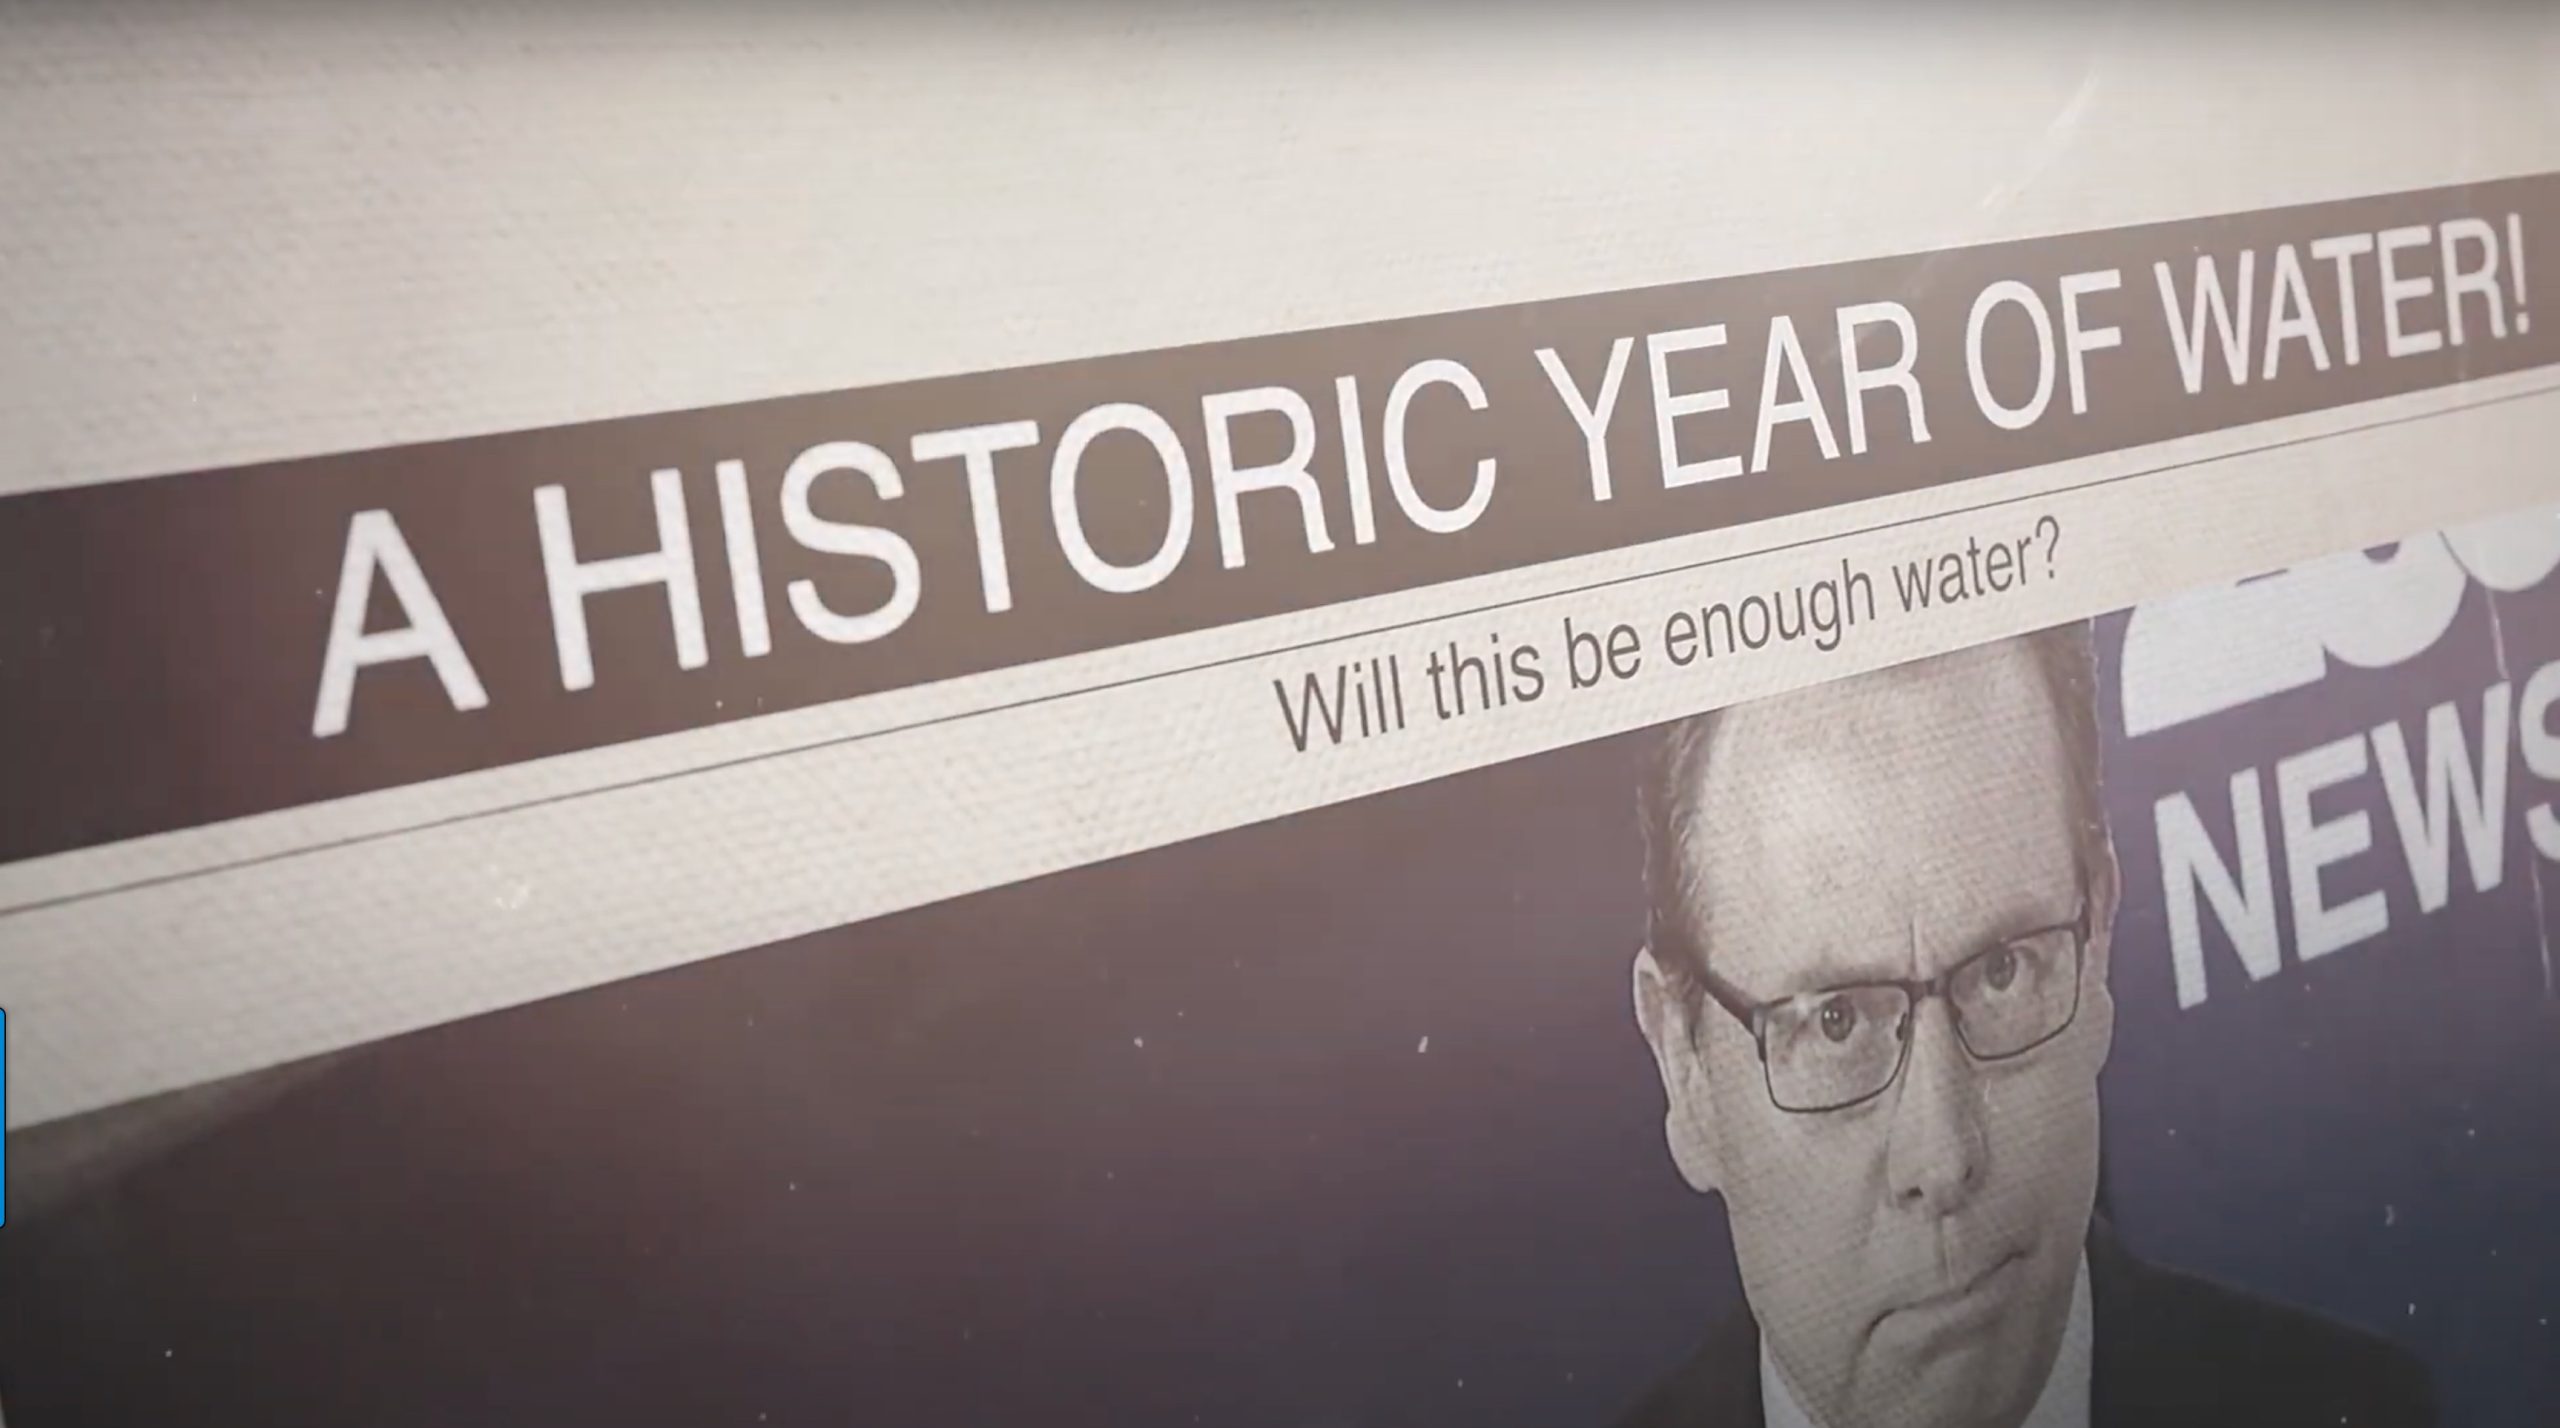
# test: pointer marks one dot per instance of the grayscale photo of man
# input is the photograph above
(1875, 986)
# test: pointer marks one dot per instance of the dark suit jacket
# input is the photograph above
(2167, 1349)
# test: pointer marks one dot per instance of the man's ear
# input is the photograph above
(1688, 1125)
(2097, 1001)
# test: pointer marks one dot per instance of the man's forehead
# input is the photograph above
(1911, 717)
(1939, 789)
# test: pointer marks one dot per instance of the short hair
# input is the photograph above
(1668, 804)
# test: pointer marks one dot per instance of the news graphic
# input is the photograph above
(1401, 1110)
(1938, 837)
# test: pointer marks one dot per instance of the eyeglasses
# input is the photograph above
(1832, 1049)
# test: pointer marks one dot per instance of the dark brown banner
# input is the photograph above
(190, 648)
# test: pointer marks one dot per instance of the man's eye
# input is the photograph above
(1837, 1019)
(2001, 970)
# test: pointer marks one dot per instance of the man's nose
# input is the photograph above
(1936, 1153)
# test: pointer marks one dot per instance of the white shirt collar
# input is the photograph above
(2064, 1402)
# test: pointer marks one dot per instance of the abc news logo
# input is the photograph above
(2203, 654)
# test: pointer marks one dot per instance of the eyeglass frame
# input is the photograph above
(1754, 1016)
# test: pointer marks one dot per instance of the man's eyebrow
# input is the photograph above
(1834, 967)
(2030, 914)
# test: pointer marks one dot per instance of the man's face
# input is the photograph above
(1909, 1259)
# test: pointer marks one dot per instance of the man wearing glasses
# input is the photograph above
(1876, 989)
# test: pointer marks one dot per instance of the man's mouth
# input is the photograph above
(1977, 1297)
